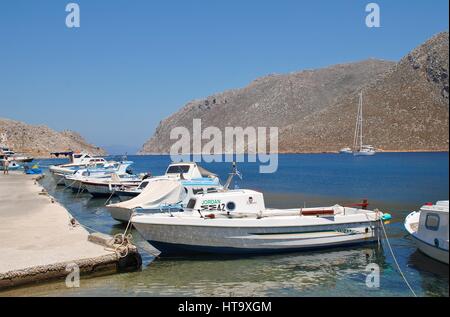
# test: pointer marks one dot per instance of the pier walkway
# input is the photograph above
(37, 241)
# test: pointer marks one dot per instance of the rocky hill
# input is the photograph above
(406, 110)
(405, 105)
(40, 141)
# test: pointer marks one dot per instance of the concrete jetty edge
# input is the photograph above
(38, 244)
(107, 264)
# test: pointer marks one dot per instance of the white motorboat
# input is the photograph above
(13, 156)
(74, 181)
(8, 152)
(429, 229)
(346, 150)
(105, 187)
(77, 161)
(171, 191)
(194, 175)
(359, 148)
(237, 221)
(13, 165)
(162, 194)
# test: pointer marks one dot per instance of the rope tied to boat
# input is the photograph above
(122, 244)
(392, 252)
(123, 241)
(113, 191)
(80, 190)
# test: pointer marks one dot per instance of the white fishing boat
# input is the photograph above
(74, 181)
(237, 221)
(195, 176)
(171, 191)
(105, 187)
(77, 161)
(359, 149)
(13, 156)
(8, 152)
(429, 229)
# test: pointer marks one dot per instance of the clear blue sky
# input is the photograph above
(132, 63)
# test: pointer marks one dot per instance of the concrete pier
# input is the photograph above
(37, 240)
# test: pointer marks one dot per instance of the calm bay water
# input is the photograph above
(393, 182)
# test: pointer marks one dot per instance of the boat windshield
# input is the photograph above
(177, 169)
(143, 185)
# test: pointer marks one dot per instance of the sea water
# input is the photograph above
(397, 183)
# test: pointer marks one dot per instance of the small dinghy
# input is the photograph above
(429, 229)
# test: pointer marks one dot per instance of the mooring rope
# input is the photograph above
(395, 259)
(80, 190)
(121, 240)
(70, 185)
(112, 194)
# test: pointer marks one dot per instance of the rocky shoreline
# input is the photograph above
(39, 141)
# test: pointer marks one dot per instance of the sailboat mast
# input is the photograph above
(361, 120)
(355, 137)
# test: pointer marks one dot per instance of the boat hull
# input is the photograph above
(11, 167)
(59, 178)
(170, 249)
(411, 225)
(125, 195)
(182, 239)
(21, 159)
(97, 190)
(432, 251)
(363, 153)
(74, 185)
(120, 214)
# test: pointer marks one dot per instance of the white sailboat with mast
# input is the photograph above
(359, 149)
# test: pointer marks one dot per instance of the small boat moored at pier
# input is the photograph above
(237, 222)
(171, 191)
(74, 181)
(429, 229)
(77, 161)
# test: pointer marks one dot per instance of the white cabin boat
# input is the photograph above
(10, 154)
(237, 221)
(14, 157)
(169, 192)
(77, 161)
(74, 181)
(429, 229)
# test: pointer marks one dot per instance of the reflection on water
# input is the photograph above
(278, 275)
(337, 272)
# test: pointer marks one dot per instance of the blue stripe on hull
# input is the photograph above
(171, 249)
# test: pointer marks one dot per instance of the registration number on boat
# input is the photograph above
(212, 204)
